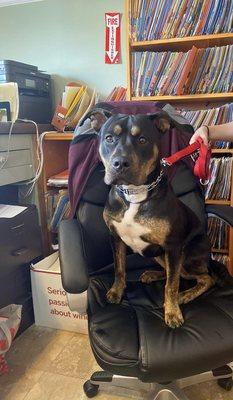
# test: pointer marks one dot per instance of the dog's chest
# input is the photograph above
(130, 230)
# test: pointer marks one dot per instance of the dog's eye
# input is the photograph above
(109, 138)
(142, 140)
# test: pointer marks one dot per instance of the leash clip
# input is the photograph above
(205, 182)
(165, 163)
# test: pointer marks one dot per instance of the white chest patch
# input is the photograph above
(130, 231)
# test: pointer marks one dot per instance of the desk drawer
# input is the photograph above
(16, 174)
(19, 252)
(17, 168)
(20, 240)
(17, 142)
(16, 158)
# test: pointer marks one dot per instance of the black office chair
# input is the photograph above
(130, 340)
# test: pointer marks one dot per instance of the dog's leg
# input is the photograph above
(150, 276)
(114, 294)
(173, 315)
(204, 282)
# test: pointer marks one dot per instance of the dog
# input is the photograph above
(142, 212)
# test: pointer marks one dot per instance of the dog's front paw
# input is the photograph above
(174, 319)
(114, 295)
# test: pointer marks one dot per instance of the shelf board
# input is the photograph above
(223, 202)
(222, 151)
(184, 43)
(211, 97)
(221, 251)
(62, 187)
(59, 136)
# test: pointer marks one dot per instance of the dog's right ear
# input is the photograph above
(98, 117)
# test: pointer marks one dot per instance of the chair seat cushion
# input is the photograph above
(131, 338)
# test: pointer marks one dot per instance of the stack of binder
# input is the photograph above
(222, 258)
(76, 102)
(117, 94)
(218, 232)
(156, 19)
(219, 186)
(57, 208)
(179, 73)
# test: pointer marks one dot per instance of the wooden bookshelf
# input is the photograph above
(222, 151)
(219, 202)
(189, 98)
(59, 136)
(191, 101)
(222, 251)
(184, 43)
(55, 149)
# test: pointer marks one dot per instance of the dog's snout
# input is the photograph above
(120, 163)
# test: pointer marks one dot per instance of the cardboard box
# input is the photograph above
(49, 298)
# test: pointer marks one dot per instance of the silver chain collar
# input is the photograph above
(141, 188)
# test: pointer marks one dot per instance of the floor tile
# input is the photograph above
(208, 391)
(76, 359)
(56, 387)
(17, 383)
(38, 347)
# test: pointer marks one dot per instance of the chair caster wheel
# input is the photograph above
(225, 383)
(90, 390)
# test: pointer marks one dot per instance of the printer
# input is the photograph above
(34, 87)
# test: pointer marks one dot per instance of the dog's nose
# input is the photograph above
(120, 164)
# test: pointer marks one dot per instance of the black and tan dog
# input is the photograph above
(143, 213)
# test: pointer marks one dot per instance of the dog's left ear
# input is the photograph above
(163, 124)
(162, 121)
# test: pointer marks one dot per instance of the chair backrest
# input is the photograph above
(91, 202)
(96, 235)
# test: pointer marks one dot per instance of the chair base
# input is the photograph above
(166, 392)
(126, 385)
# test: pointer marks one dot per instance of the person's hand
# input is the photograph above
(202, 132)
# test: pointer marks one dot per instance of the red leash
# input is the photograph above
(201, 166)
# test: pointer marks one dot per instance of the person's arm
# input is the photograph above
(214, 132)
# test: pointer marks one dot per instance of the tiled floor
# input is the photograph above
(46, 364)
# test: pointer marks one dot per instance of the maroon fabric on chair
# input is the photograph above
(135, 107)
(83, 159)
(84, 154)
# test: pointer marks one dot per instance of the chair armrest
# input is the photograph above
(77, 302)
(223, 212)
(74, 269)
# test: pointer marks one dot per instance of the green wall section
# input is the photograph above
(65, 38)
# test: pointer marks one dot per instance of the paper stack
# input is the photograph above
(76, 100)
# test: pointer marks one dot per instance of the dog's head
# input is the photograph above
(129, 147)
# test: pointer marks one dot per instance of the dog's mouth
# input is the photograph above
(120, 178)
